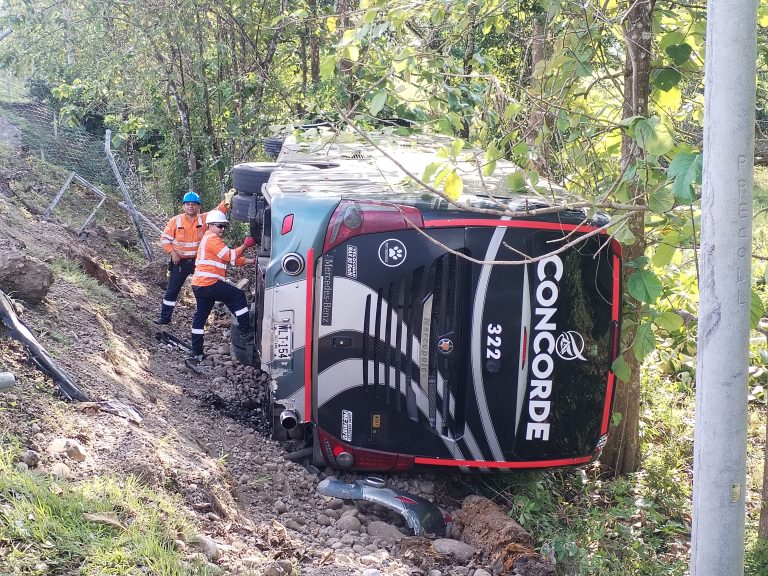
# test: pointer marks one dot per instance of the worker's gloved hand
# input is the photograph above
(228, 196)
(248, 242)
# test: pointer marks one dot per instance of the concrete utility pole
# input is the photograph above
(720, 440)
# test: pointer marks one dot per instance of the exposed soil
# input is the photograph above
(9, 133)
(203, 437)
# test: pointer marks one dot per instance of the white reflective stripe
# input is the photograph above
(208, 274)
(223, 252)
(199, 220)
(163, 236)
(189, 253)
(178, 222)
(169, 303)
(187, 244)
(211, 263)
(233, 258)
(202, 249)
(241, 311)
(198, 331)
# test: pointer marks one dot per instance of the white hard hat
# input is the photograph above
(215, 216)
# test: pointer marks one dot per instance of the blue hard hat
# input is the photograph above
(191, 197)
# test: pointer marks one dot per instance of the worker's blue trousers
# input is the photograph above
(177, 274)
(206, 297)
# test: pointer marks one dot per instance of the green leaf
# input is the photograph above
(621, 369)
(756, 309)
(679, 53)
(456, 148)
(661, 200)
(670, 39)
(516, 182)
(370, 16)
(512, 110)
(665, 250)
(654, 136)
(645, 286)
(430, 170)
(623, 235)
(630, 121)
(453, 186)
(351, 52)
(521, 148)
(665, 78)
(645, 341)
(685, 170)
(446, 127)
(668, 321)
(670, 101)
(491, 154)
(378, 101)
(441, 175)
(328, 68)
(488, 25)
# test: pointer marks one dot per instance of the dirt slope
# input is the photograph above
(203, 438)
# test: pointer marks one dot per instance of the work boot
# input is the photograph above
(195, 363)
(162, 321)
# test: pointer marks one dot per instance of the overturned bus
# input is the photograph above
(400, 329)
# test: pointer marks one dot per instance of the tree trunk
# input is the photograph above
(623, 449)
(762, 529)
(314, 47)
(304, 71)
(469, 52)
(215, 148)
(538, 112)
(343, 8)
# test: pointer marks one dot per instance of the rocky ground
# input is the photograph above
(203, 437)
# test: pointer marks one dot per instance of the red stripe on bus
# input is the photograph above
(309, 335)
(616, 336)
(495, 464)
(607, 408)
(468, 222)
(616, 288)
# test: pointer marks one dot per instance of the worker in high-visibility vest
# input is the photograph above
(209, 283)
(180, 240)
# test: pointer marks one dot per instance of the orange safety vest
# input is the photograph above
(183, 234)
(213, 257)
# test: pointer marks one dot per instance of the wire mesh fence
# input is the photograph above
(34, 127)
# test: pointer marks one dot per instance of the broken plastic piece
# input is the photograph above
(420, 515)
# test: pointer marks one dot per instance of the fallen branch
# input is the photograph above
(43, 360)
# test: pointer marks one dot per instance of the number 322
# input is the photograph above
(493, 342)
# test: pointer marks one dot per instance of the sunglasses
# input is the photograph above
(219, 225)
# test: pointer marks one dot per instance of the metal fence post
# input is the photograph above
(131, 209)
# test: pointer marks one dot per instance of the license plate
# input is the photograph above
(283, 342)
